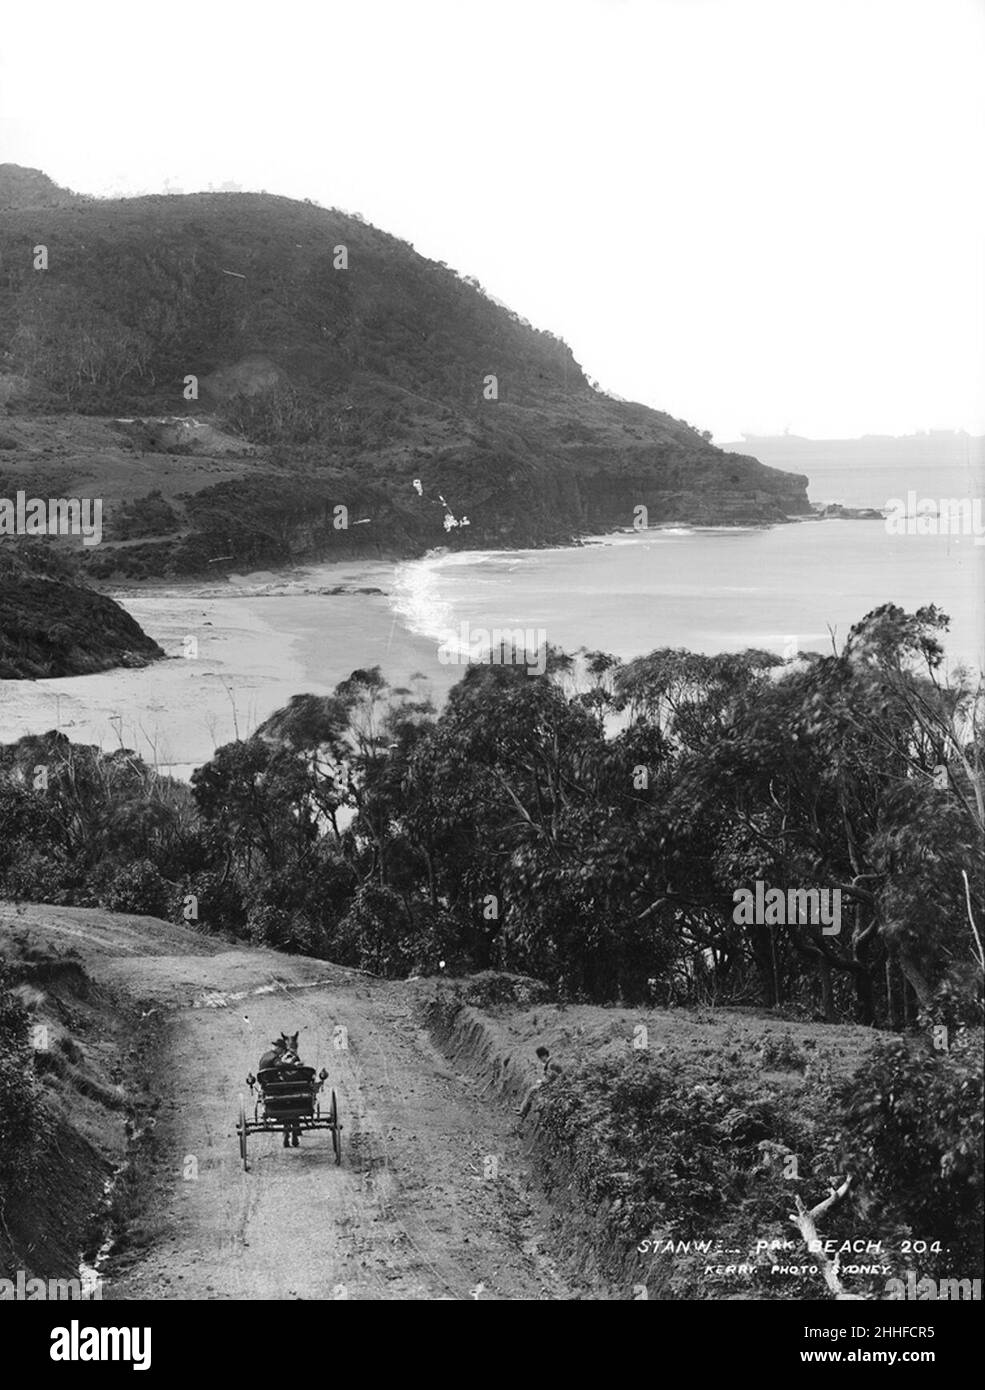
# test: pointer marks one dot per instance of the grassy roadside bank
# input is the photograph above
(673, 1145)
(77, 1063)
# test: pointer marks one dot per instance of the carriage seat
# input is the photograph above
(281, 1079)
(287, 1089)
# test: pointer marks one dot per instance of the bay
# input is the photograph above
(264, 638)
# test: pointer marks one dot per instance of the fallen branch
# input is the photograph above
(805, 1221)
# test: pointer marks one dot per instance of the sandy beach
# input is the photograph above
(235, 652)
(239, 648)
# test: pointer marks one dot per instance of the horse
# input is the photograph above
(283, 1052)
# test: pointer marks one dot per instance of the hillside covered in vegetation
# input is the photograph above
(51, 625)
(237, 368)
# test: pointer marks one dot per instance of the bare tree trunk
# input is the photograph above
(776, 974)
(916, 980)
(827, 992)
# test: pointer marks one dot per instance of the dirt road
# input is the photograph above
(432, 1200)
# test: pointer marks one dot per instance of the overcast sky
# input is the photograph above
(756, 214)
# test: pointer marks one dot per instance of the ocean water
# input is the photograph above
(788, 588)
(869, 472)
(785, 588)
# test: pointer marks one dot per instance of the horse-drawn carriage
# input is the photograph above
(286, 1099)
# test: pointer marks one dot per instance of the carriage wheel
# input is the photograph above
(336, 1136)
(241, 1127)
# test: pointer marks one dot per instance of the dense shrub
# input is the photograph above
(661, 1157)
(490, 988)
(37, 875)
(385, 935)
(150, 515)
(911, 1132)
(137, 887)
(781, 1053)
(218, 903)
(284, 930)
